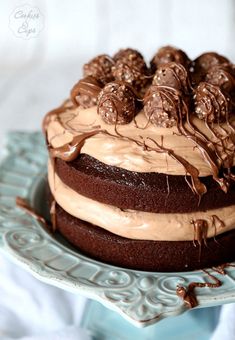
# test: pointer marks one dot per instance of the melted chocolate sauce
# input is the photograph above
(188, 293)
(70, 151)
(53, 215)
(23, 204)
(88, 86)
(52, 113)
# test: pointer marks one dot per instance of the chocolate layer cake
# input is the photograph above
(141, 166)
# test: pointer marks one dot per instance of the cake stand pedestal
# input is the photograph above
(105, 324)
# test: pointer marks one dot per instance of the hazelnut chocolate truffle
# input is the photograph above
(130, 74)
(174, 75)
(222, 76)
(168, 54)
(204, 62)
(131, 57)
(117, 103)
(164, 105)
(85, 92)
(131, 68)
(99, 68)
(211, 104)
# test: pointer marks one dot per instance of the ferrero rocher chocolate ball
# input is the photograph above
(174, 75)
(167, 54)
(222, 76)
(129, 73)
(100, 68)
(204, 62)
(85, 92)
(211, 104)
(117, 103)
(164, 106)
(131, 57)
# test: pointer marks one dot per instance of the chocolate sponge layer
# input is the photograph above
(152, 192)
(144, 255)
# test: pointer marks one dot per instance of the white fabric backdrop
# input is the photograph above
(37, 74)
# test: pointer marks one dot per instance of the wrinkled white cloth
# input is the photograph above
(226, 326)
(33, 310)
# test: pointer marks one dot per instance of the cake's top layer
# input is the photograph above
(175, 117)
(119, 146)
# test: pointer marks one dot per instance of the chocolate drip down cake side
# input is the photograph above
(141, 167)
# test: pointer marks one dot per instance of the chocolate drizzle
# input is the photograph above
(85, 92)
(162, 105)
(53, 214)
(70, 151)
(23, 204)
(211, 103)
(216, 221)
(208, 153)
(197, 186)
(180, 109)
(174, 75)
(200, 231)
(117, 103)
(123, 71)
(188, 293)
(100, 68)
(53, 113)
(201, 227)
(200, 234)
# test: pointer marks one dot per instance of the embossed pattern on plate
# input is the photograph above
(143, 298)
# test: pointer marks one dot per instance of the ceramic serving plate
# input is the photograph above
(143, 298)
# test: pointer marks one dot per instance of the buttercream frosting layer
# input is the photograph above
(119, 146)
(136, 224)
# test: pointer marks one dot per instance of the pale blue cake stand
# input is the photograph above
(128, 300)
(196, 324)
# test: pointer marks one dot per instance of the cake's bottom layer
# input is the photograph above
(144, 255)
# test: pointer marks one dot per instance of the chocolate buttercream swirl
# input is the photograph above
(168, 54)
(117, 103)
(100, 68)
(174, 75)
(54, 114)
(85, 92)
